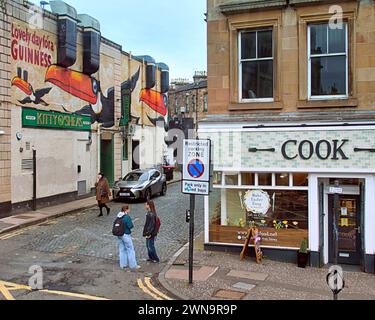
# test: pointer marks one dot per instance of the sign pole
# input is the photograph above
(191, 237)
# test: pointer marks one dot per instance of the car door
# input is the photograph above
(153, 182)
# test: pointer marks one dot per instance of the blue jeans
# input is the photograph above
(127, 253)
(150, 243)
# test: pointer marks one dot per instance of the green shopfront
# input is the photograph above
(290, 180)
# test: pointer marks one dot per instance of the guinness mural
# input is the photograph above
(39, 82)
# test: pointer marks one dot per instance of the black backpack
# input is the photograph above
(118, 229)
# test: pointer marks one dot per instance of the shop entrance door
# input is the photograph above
(349, 229)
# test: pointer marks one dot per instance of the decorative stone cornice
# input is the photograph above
(248, 5)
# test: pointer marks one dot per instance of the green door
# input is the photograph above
(107, 160)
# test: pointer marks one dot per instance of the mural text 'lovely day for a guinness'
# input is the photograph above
(31, 47)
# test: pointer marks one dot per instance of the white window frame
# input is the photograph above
(240, 61)
(310, 56)
(256, 185)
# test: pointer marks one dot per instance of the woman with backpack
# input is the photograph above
(150, 230)
(103, 192)
(122, 229)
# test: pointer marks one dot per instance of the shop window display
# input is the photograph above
(280, 215)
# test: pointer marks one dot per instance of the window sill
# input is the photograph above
(338, 103)
(255, 106)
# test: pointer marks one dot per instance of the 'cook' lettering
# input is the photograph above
(323, 149)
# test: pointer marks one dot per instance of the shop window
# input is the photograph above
(328, 61)
(231, 179)
(248, 179)
(280, 215)
(265, 179)
(282, 179)
(256, 65)
(300, 179)
(217, 178)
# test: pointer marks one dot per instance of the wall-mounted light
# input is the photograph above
(2, 132)
(19, 136)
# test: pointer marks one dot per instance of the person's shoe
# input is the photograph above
(150, 260)
(136, 268)
(100, 215)
(108, 211)
(124, 268)
(155, 261)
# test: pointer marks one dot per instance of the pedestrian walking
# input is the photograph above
(150, 231)
(123, 225)
(103, 192)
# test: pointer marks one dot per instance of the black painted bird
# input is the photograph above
(33, 96)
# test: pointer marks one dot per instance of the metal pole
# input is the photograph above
(34, 180)
(335, 224)
(191, 237)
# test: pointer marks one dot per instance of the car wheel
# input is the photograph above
(163, 190)
(147, 194)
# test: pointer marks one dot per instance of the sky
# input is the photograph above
(171, 31)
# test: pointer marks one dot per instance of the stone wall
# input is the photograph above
(290, 30)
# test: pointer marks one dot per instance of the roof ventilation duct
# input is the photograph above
(150, 71)
(91, 43)
(67, 33)
(164, 81)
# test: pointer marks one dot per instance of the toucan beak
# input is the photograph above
(76, 83)
(155, 100)
(22, 85)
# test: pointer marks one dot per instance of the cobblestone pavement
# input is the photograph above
(284, 281)
(79, 254)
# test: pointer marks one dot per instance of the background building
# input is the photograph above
(76, 98)
(291, 110)
(184, 96)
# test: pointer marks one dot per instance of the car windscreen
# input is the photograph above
(136, 176)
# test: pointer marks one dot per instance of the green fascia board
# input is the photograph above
(40, 119)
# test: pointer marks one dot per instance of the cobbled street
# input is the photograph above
(79, 254)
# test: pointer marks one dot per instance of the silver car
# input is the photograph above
(140, 184)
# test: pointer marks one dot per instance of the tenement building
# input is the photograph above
(291, 116)
(72, 103)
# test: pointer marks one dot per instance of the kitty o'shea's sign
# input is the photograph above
(31, 46)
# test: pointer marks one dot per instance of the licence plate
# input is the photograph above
(124, 194)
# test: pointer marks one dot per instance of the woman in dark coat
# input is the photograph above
(150, 231)
(103, 192)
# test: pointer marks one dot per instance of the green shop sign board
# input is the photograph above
(54, 120)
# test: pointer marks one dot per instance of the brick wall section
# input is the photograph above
(5, 158)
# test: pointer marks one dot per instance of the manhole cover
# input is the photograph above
(229, 294)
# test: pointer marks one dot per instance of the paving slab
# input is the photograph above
(248, 275)
(229, 294)
(201, 274)
(244, 286)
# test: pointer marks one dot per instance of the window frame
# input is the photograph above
(310, 56)
(240, 61)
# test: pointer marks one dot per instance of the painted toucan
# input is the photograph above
(33, 96)
(155, 100)
(86, 88)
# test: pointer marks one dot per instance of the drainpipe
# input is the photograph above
(99, 145)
